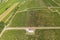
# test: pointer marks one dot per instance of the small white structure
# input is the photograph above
(30, 31)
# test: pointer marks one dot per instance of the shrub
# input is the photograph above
(2, 24)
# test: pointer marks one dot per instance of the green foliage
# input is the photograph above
(2, 24)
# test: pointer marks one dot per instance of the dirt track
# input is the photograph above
(21, 28)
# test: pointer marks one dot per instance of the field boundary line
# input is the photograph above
(46, 7)
(28, 10)
(2, 32)
(17, 28)
(56, 2)
(22, 10)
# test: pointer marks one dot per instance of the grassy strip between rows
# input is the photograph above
(6, 5)
(8, 15)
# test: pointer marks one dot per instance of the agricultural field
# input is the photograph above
(38, 13)
(39, 35)
(30, 20)
(18, 35)
(36, 17)
(47, 34)
(4, 12)
(5, 6)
